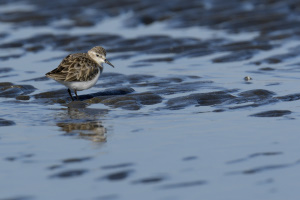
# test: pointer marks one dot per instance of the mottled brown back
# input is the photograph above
(75, 67)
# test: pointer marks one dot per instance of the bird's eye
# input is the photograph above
(97, 55)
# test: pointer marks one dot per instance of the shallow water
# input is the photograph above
(175, 119)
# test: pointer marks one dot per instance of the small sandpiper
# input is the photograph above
(80, 71)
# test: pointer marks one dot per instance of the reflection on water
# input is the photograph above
(83, 122)
(87, 130)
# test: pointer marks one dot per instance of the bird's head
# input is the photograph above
(98, 54)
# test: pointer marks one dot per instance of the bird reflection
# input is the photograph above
(94, 131)
(83, 123)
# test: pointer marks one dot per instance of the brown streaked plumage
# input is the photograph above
(75, 67)
(80, 71)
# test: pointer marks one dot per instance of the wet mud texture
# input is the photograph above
(9, 90)
(159, 93)
(234, 15)
(272, 20)
(4, 122)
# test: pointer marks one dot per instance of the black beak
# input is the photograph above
(107, 62)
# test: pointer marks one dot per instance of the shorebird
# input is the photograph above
(80, 71)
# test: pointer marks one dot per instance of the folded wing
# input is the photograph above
(75, 67)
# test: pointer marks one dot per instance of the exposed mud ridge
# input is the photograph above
(234, 15)
(9, 90)
(272, 113)
(150, 44)
(4, 122)
(120, 93)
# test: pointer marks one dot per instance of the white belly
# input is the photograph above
(77, 85)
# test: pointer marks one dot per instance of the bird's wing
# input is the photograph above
(75, 67)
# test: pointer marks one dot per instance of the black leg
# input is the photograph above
(70, 94)
(76, 94)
